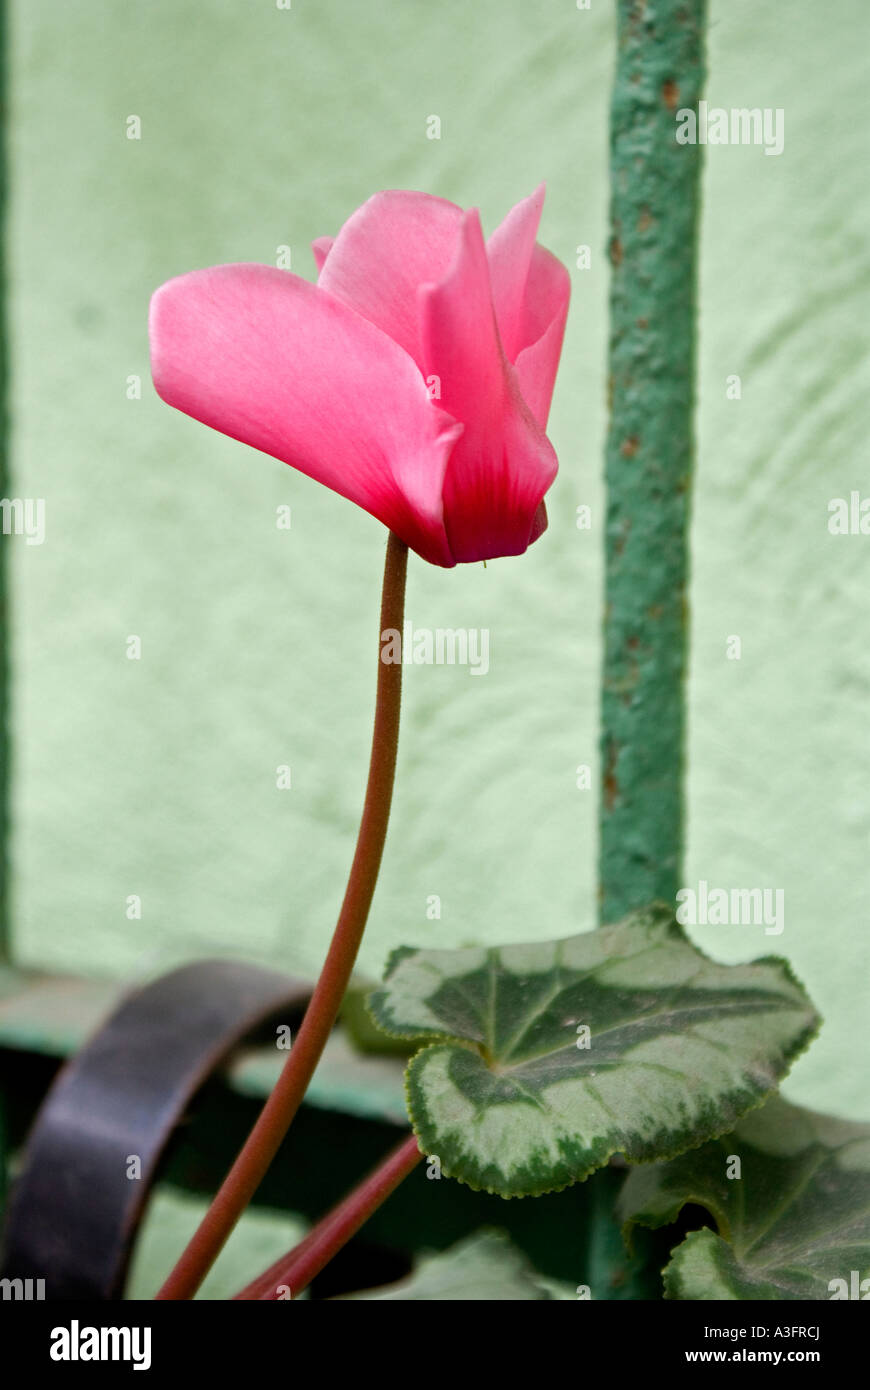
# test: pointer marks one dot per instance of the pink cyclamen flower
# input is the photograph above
(414, 378)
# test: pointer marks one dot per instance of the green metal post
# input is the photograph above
(653, 250)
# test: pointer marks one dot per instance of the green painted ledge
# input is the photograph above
(347, 1124)
(53, 1015)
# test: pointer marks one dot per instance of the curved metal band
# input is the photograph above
(74, 1211)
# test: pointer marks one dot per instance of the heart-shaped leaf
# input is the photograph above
(486, 1266)
(557, 1054)
(790, 1194)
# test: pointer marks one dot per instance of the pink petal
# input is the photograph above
(539, 524)
(503, 464)
(392, 245)
(545, 309)
(321, 247)
(271, 360)
(509, 251)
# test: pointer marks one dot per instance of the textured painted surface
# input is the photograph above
(264, 127)
(5, 492)
(5, 771)
(653, 252)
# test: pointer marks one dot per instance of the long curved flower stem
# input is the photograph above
(278, 1113)
(295, 1271)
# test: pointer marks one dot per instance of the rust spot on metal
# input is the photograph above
(629, 447)
(619, 543)
(642, 323)
(615, 251)
(670, 94)
(610, 784)
(645, 221)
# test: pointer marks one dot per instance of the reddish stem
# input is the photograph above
(294, 1272)
(278, 1113)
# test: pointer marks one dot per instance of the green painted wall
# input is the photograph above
(263, 128)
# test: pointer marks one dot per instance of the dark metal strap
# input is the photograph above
(74, 1210)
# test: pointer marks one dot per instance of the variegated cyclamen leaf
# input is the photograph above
(511, 1098)
(790, 1193)
(484, 1267)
